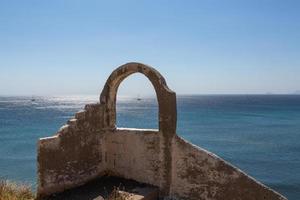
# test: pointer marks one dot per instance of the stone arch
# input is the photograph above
(166, 98)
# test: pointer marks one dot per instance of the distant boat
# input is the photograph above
(32, 99)
(138, 98)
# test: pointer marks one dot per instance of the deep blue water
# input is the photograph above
(258, 133)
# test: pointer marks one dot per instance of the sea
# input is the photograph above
(260, 134)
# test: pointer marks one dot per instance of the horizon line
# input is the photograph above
(146, 95)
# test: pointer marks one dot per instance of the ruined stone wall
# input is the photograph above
(135, 154)
(90, 146)
(199, 174)
(73, 156)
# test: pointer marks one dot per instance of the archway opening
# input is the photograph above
(136, 105)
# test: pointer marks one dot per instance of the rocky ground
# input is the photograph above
(109, 188)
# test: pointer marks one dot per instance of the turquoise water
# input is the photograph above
(258, 133)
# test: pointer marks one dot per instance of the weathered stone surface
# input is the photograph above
(90, 146)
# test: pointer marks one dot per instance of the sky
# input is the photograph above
(66, 47)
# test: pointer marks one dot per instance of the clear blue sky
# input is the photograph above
(201, 47)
